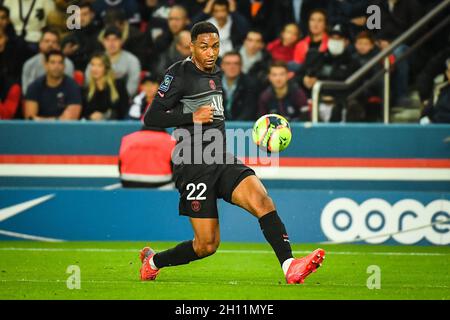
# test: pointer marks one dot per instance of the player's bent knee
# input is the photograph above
(264, 205)
(204, 249)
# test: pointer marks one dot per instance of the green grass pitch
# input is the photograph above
(109, 270)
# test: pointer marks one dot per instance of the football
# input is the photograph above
(272, 133)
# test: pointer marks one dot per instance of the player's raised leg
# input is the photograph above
(251, 195)
(205, 243)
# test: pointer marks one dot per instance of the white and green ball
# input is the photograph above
(272, 132)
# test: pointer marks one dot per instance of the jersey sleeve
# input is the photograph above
(170, 91)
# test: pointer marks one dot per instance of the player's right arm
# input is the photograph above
(160, 114)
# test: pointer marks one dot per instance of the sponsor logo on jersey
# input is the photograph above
(165, 84)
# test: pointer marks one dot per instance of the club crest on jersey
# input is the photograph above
(165, 84)
(196, 206)
(212, 85)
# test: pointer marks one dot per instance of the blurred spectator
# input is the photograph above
(150, 9)
(12, 57)
(255, 59)
(349, 13)
(282, 49)
(104, 98)
(434, 67)
(371, 98)
(160, 35)
(5, 23)
(240, 95)
(53, 96)
(397, 16)
(145, 158)
(282, 97)
(125, 65)
(81, 43)
(295, 11)
(336, 64)
(438, 108)
(178, 50)
(9, 98)
(57, 18)
(148, 88)
(29, 17)
(132, 38)
(231, 24)
(34, 67)
(129, 7)
(177, 21)
(196, 6)
(317, 40)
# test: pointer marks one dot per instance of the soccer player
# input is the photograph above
(190, 98)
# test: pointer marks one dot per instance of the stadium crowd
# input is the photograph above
(272, 53)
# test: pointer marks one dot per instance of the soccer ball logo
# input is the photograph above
(272, 133)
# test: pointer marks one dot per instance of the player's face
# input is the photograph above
(205, 50)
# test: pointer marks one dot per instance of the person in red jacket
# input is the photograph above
(282, 49)
(317, 38)
(145, 158)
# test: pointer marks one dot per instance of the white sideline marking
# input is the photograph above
(199, 282)
(228, 251)
(279, 173)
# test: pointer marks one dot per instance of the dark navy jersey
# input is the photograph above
(183, 90)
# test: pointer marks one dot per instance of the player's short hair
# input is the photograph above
(202, 27)
(51, 53)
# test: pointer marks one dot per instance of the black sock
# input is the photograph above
(275, 233)
(183, 253)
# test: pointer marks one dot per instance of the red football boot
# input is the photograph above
(147, 272)
(303, 267)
